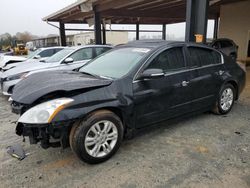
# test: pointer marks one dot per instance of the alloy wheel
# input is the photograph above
(227, 98)
(101, 139)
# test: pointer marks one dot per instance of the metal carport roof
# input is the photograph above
(130, 11)
(100, 12)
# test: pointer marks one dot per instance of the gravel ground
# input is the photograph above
(201, 151)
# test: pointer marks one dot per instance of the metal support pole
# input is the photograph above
(62, 34)
(103, 34)
(164, 31)
(216, 27)
(137, 31)
(98, 31)
(196, 19)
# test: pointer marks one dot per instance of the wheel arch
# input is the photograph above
(236, 87)
(116, 110)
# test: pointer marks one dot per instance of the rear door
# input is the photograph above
(209, 68)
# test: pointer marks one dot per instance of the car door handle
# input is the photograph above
(185, 83)
(221, 72)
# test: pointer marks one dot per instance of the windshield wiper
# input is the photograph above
(106, 77)
(90, 74)
(96, 76)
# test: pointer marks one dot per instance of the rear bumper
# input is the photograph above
(242, 84)
(48, 135)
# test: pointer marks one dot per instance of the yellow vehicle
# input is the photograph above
(20, 49)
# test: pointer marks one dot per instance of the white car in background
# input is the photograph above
(8, 59)
(69, 58)
(40, 54)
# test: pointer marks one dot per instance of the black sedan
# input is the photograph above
(131, 87)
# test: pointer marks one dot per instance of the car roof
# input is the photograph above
(54, 47)
(89, 46)
(154, 44)
(150, 43)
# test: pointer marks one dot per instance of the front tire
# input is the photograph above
(225, 100)
(97, 138)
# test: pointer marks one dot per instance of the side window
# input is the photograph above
(100, 51)
(47, 53)
(83, 54)
(203, 57)
(57, 50)
(169, 60)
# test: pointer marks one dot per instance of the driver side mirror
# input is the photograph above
(37, 57)
(151, 74)
(68, 60)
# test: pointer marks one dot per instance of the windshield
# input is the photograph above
(59, 55)
(115, 64)
(33, 54)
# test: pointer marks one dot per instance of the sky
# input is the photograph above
(26, 15)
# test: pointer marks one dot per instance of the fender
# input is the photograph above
(102, 98)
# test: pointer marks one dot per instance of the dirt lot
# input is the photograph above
(202, 151)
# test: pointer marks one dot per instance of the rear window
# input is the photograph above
(203, 57)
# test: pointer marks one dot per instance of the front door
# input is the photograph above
(161, 98)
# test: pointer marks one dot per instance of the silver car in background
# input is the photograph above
(69, 58)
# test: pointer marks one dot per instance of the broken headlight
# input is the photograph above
(45, 112)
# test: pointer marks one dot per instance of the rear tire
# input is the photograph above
(98, 137)
(225, 100)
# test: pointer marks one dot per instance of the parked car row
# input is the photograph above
(8, 62)
(69, 58)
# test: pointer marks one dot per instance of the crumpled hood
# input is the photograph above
(12, 65)
(27, 67)
(35, 86)
(6, 58)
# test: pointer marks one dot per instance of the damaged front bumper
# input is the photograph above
(49, 135)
